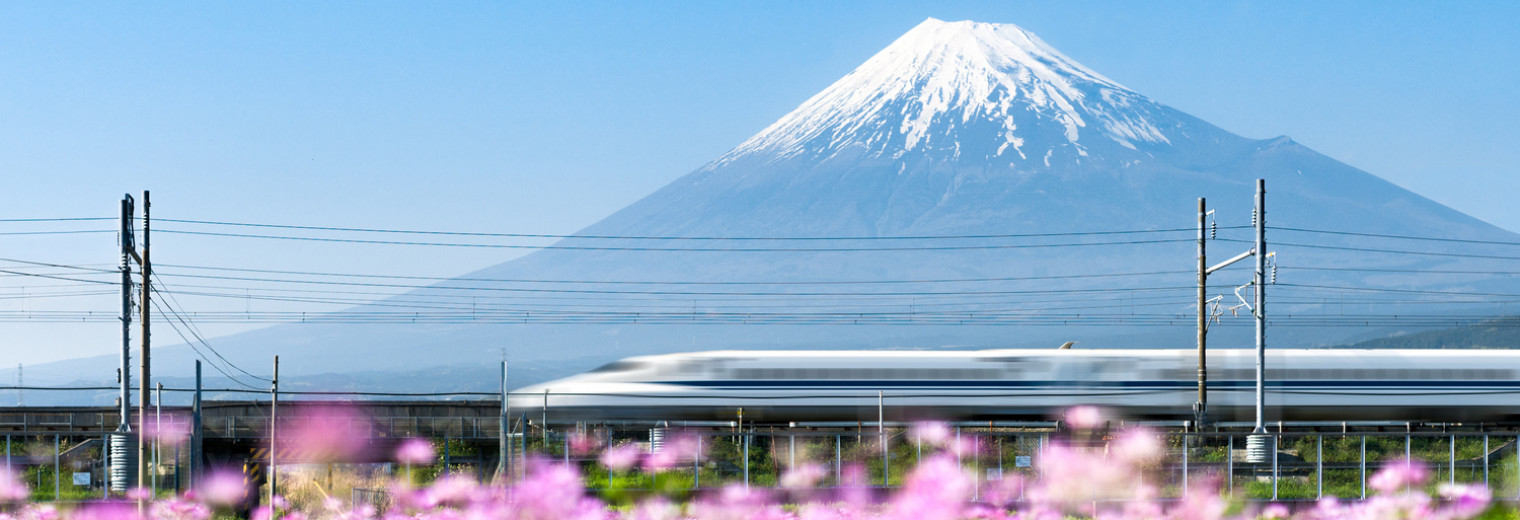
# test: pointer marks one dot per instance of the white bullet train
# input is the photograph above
(787, 386)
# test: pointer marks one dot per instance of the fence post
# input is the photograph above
(1229, 464)
(1319, 468)
(1274, 466)
(746, 462)
(838, 457)
(1185, 440)
(1363, 475)
(57, 468)
(1451, 475)
(957, 444)
(1485, 461)
(105, 464)
(696, 466)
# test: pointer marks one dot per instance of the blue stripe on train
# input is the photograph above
(1150, 385)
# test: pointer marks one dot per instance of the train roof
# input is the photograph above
(1079, 352)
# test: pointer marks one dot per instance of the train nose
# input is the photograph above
(527, 399)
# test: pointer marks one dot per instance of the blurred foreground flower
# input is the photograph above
(222, 487)
(620, 458)
(1085, 479)
(325, 432)
(583, 443)
(172, 430)
(1397, 476)
(677, 450)
(415, 451)
(932, 433)
(803, 476)
(1084, 418)
(12, 489)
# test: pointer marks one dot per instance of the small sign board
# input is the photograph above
(1021, 461)
(994, 474)
(81, 478)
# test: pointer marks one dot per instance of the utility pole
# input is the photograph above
(1256, 443)
(506, 411)
(145, 375)
(274, 404)
(195, 430)
(158, 429)
(1201, 408)
(122, 452)
(1260, 312)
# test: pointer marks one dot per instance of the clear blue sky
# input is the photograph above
(546, 116)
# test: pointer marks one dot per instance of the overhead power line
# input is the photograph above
(190, 327)
(678, 249)
(674, 282)
(1380, 250)
(677, 237)
(73, 219)
(197, 350)
(1400, 237)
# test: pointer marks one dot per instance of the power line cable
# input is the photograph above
(197, 350)
(672, 293)
(1378, 250)
(74, 219)
(60, 266)
(197, 334)
(1400, 237)
(61, 232)
(679, 249)
(655, 282)
(672, 237)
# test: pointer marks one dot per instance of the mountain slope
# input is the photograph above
(959, 129)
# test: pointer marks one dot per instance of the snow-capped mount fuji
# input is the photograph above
(945, 91)
(955, 129)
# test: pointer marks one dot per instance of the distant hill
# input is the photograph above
(1495, 334)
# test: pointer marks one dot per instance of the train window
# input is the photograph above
(618, 366)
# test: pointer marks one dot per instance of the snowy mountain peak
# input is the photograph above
(950, 91)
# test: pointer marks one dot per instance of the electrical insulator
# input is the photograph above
(1274, 273)
(1253, 218)
(1214, 229)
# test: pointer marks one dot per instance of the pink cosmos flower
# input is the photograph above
(678, 450)
(657, 508)
(12, 489)
(1084, 418)
(223, 487)
(803, 476)
(938, 489)
(415, 451)
(1274, 511)
(172, 430)
(583, 443)
(620, 458)
(932, 433)
(1398, 475)
(325, 433)
(1003, 491)
(1466, 500)
(1136, 446)
(454, 490)
(139, 493)
(550, 491)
